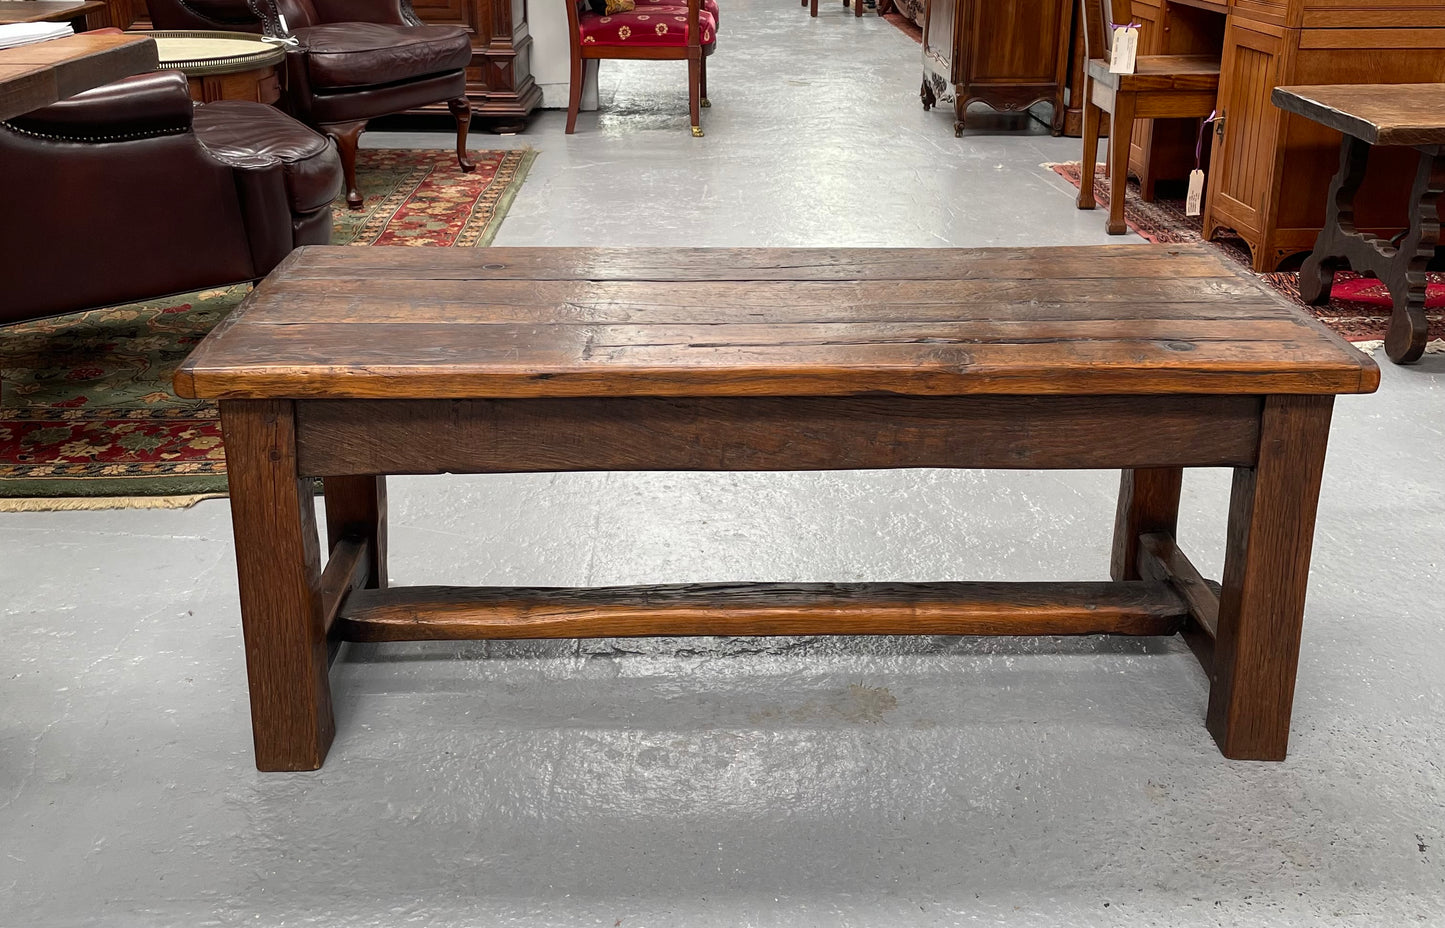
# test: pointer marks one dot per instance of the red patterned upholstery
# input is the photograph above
(651, 24)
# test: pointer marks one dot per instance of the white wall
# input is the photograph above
(551, 64)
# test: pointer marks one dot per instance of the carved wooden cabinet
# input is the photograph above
(499, 80)
(1272, 169)
(1008, 54)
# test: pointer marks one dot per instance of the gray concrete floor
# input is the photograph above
(930, 781)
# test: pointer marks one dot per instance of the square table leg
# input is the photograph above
(356, 508)
(278, 564)
(1266, 572)
(1148, 502)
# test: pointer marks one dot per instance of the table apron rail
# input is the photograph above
(344, 437)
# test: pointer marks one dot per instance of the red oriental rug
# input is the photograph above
(1359, 308)
(88, 418)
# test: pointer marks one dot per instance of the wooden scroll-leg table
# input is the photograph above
(352, 363)
(1378, 114)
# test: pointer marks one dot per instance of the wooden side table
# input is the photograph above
(223, 65)
(84, 14)
(1404, 115)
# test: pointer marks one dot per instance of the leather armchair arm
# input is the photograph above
(133, 108)
(392, 12)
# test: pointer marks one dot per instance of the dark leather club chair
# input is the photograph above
(130, 191)
(355, 60)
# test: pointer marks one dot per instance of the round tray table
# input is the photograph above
(222, 65)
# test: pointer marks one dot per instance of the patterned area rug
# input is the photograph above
(1359, 308)
(88, 419)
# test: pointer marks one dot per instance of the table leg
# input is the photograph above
(1266, 572)
(1317, 274)
(278, 565)
(356, 506)
(1407, 276)
(1148, 502)
(1401, 268)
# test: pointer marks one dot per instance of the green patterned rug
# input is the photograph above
(88, 418)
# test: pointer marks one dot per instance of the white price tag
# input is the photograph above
(282, 18)
(1125, 50)
(1194, 203)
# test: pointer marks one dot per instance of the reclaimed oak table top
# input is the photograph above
(36, 75)
(349, 364)
(531, 322)
(1380, 114)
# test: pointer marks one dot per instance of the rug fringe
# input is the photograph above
(79, 503)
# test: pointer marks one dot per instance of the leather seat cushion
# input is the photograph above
(251, 135)
(709, 5)
(652, 24)
(368, 54)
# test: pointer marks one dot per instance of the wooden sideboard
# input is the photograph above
(1269, 170)
(499, 79)
(1272, 169)
(1008, 54)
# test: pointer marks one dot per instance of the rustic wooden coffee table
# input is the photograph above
(352, 363)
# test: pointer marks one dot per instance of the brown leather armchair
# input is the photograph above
(222, 15)
(355, 60)
(130, 191)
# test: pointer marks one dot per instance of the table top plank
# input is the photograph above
(730, 322)
(752, 264)
(36, 75)
(1381, 114)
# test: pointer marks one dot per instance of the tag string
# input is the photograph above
(1199, 145)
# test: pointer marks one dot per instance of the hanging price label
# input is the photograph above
(1194, 202)
(1125, 50)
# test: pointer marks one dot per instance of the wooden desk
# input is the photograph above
(33, 76)
(1374, 116)
(352, 363)
(94, 14)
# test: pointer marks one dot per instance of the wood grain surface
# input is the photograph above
(1381, 114)
(337, 437)
(32, 76)
(419, 613)
(1266, 574)
(540, 322)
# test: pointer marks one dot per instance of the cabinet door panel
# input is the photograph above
(1250, 72)
(1011, 44)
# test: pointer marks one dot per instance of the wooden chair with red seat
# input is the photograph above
(656, 30)
(1161, 87)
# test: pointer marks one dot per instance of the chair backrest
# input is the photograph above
(226, 15)
(576, 8)
(298, 13)
(1099, 15)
